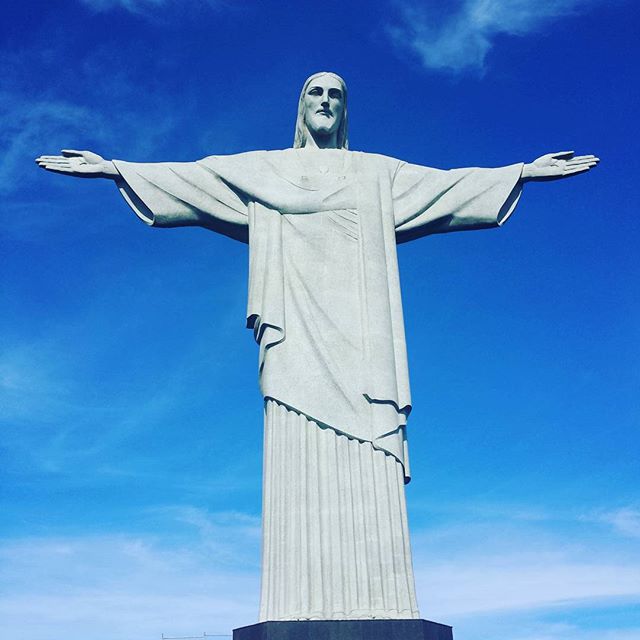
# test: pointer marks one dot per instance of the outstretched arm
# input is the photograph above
(164, 194)
(430, 201)
(554, 166)
(79, 164)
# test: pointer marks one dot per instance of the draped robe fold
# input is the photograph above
(324, 295)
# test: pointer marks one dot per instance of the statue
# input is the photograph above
(322, 224)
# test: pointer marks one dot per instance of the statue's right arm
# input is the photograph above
(79, 164)
(164, 194)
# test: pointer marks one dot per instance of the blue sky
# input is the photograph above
(131, 446)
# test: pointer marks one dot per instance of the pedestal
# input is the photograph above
(345, 630)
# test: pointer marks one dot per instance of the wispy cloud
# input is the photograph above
(219, 533)
(49, 418)
(460, 39)
(41, 379)
(202, 574)
(43, 119)
(122, 586)
(137, 6)
(492, 561)
(625, 521)
(62, 414)
(571, 632)
(523, 628)
(524, 581)
(31, 123)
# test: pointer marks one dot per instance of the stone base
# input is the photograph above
(345, 630)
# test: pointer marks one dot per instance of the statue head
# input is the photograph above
(322, 112)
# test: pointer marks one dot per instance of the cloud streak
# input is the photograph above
(626, 521)
(202, 574)
(135, 6)
(523, 582)
(59, 114)
(32, 121)
(490, 561)
(121, 586)
(461, 40)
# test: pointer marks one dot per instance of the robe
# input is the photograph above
(324, 305)
(324, 290)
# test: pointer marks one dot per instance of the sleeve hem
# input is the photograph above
(132, 198)
(512, 200)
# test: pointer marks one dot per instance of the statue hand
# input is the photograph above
(554, 166)
(80, 164)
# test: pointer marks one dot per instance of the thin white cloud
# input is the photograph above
(460, 39)
(219, 533)
(30, 123)
(483, 564)
(523, 629)
(59, 416)
(135, 6)
(201, 573)
(525, 581)
(570, 632)
(625, 521)
(122, 587)
(59, 116)
(46, 417)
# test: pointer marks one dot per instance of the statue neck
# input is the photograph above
(318, 141)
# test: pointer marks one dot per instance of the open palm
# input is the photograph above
(553, 166)
(80, 164)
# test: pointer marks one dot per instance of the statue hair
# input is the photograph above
(302, 132)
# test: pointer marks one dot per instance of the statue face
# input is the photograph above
(323, 106)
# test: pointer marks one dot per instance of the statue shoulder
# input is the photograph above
(377, 162)
(246, 159)
(243, 155)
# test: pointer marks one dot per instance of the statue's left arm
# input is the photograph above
(428, 201)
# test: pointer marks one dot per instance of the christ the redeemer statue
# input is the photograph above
(322, 224)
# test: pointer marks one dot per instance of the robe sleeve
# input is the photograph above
(430, 201)
(178, 194)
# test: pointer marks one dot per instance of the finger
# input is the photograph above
(56, 164)
(573, 163)
(57, 169)
(42, 163)
(70, 153)
(53, 163)
(57, 159)
(589, 157)
(51, 158)
(570, 172)
(562, 154)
